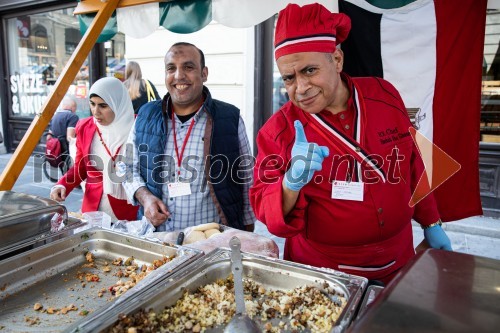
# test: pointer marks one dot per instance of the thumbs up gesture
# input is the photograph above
(307, 157)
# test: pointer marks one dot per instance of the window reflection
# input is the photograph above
(490, 90)
(39, 46)
(115, 57)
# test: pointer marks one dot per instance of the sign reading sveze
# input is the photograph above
(28, 93)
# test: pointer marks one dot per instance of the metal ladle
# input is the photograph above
(240, 323)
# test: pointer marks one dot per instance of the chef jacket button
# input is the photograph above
(169, 219)
(347, 127)
(342, 116)
(171, 199)
(381, 223)
(380, 210)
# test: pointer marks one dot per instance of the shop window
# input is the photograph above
(490, 90)
(280, 96)
(40, 42)
(115, 56)
(38, 47)
(72, 39)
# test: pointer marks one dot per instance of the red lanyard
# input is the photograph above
(179, 156)
(106, 147)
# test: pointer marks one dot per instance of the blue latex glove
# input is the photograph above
(437, 238)
(306, 159)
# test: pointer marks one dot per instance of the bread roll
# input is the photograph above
(250, 242)
(206, 226)
(209, 233)
(194, 236)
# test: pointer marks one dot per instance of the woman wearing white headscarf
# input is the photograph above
(100, 143)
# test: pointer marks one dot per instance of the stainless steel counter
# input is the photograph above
(439, 291)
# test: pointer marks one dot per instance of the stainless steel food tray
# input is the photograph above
(371, 293)
(48, 275)
(271, 273)
(26, 220)
(25, 242)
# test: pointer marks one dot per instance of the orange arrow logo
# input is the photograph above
(439, 167)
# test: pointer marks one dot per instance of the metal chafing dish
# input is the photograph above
(26, 222)
(370, 295)
(271, 273)
(49, 275)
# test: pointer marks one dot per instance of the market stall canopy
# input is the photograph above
(183, 16)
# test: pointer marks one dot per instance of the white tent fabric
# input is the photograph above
(138, 21)
(247, 13)
(142, 20)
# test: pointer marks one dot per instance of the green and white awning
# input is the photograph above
(187, 16)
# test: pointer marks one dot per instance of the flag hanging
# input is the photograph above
(188, 16)
(432, 51)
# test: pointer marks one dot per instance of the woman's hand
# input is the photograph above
(58, 193)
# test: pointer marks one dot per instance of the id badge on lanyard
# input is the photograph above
(178, 189)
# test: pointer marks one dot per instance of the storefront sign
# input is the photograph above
(28, 93)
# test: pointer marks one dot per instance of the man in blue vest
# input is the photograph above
(191, 162)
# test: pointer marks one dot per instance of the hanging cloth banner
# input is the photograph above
(185, 16)
(107, 33)
(136, 21)
(188, 16)
(435, 62)
(247, 13)
(181, 16)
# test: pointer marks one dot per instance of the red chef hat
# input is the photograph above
(311, 28)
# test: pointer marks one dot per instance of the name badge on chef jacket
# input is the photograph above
(343, 190)
(178, 189)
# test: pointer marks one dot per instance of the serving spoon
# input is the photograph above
(241, 322)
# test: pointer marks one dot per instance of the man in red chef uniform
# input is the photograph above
(337, 166)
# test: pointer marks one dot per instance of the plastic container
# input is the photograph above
(98, 219)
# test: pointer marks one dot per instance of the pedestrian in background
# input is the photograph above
(141, 91)
(62, 126)
(100, 145)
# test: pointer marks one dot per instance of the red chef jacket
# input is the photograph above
(371, 238)
(82, 170)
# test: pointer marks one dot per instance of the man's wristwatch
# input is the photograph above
(439, 223)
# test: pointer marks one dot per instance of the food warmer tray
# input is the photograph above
(26, 221)
(370, 295)
(49, 275)
(270, 272)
